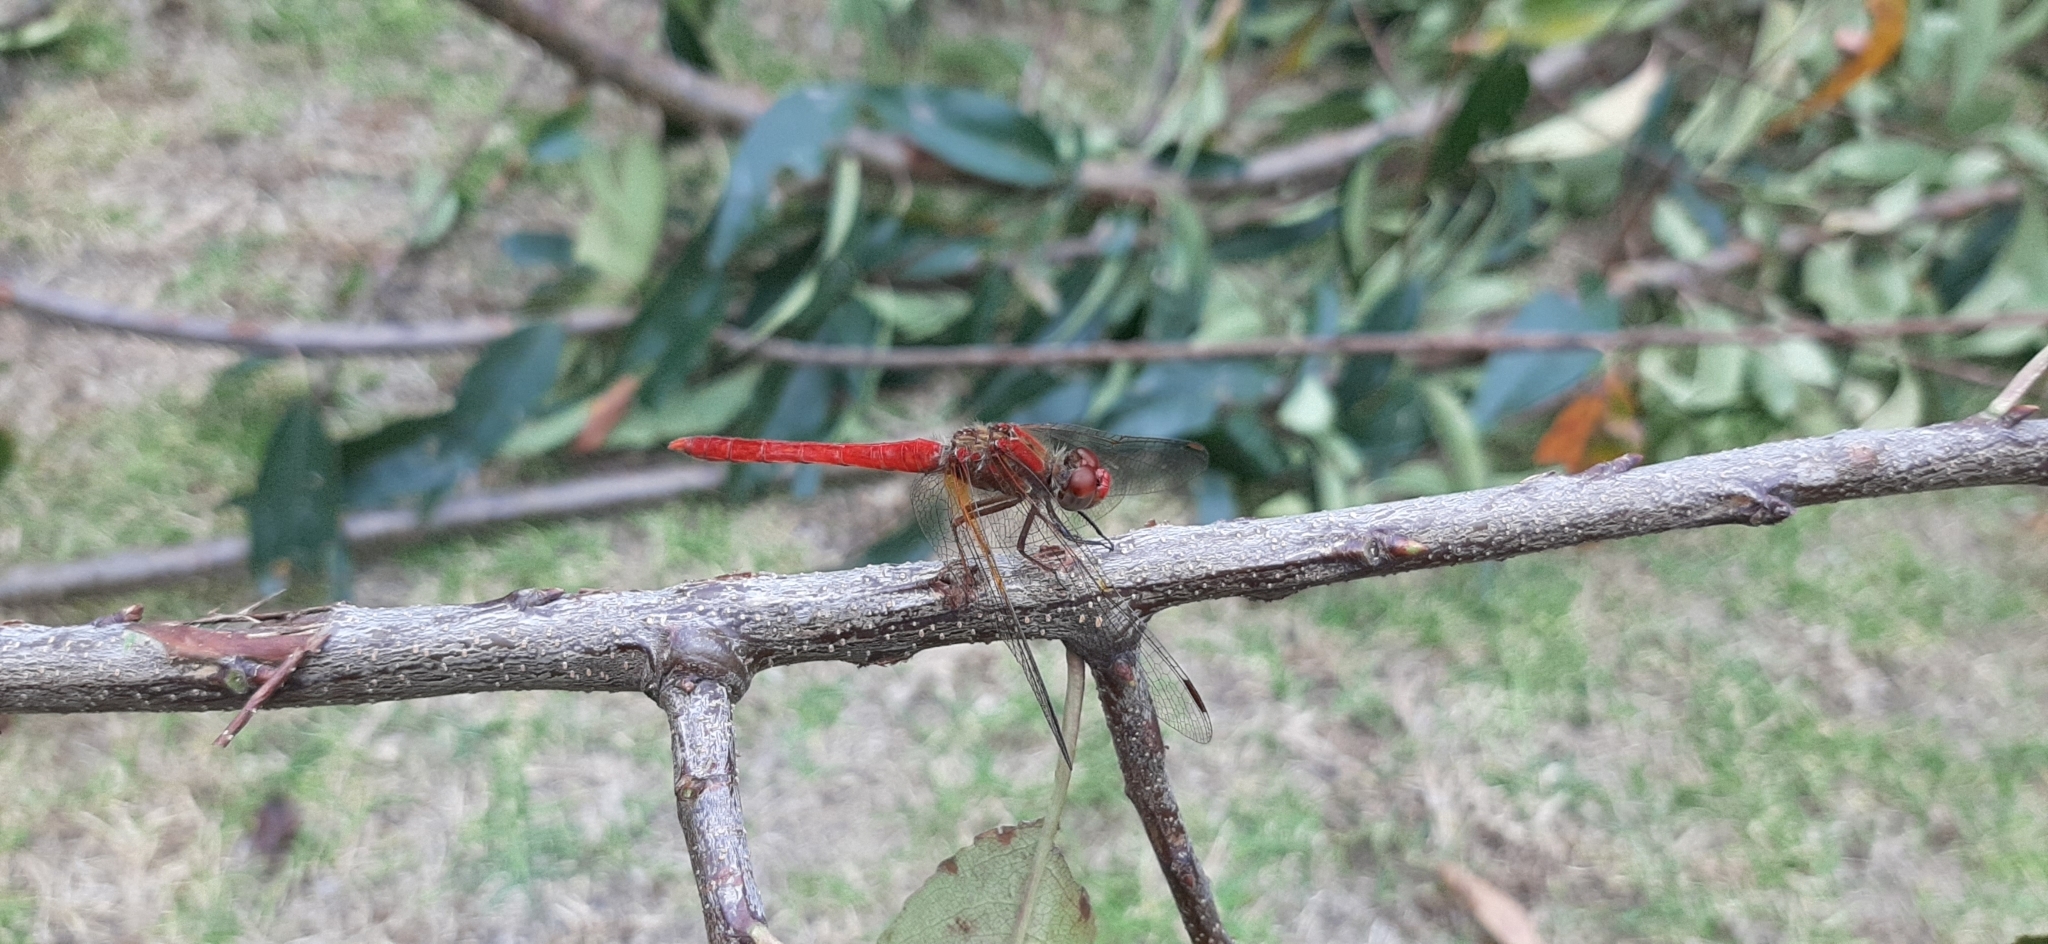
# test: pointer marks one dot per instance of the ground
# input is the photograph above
(1827, 730)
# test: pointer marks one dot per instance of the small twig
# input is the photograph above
(339, 340)
(292, 338)
(2007, 399)
(1382, 51)
(1967, 373)
(1141, 754)
(678, 90)
(597, 493)
(1412, 345)
(276, 677)
(708, 804)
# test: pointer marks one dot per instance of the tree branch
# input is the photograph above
(1141, 757)
(1412, 345)
(708, 803)
(290, 338)
(681, 92)
(333, 340)
(727, 628)
(574, 497)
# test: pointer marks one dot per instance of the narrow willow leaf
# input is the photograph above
(1456, 434)
(793, 136)
(1600, 123)
(1490, 107)
(1517, 380)
(295, 511)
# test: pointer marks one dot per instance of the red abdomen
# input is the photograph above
(908, 455)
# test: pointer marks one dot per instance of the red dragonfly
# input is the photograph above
(1033, 491)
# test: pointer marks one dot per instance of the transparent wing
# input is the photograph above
(1140, 465)
(962, 534)
(1174, 697)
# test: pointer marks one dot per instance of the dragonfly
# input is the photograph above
(1037, 492)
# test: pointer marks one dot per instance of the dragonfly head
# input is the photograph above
(1081, 482)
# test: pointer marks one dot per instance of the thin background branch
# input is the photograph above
(587, 495)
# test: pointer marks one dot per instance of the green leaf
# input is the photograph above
(1354, 215)
(1677, 231)
(1341, 108)
(792, 136)
(619, 234)
(1180, 273)
(36, 33)
(972, 131)
(1389, 428)
(974, 896)
(1976, 46)
(1955, 276)
(927, 258)
(505, 385)
(1903, 408)
(558, 139)
(403, 459)
(1203, 165)
(1231, 311)
(916, 316)
(1518, 380)
(1176, 399)
(1848, 293)
(667, 338)
(1773, 386)
(695, 412)
(1259, 241)
(548, 433)
(845, 207)
(1602, 122)
(1456, 433)
(435, 222)
(425, 456)
(1490, 107)
(1716, 380)
(1881, 161)
(295, 512)
(1394, 313)
(1309, 409)
(803, 407)
(8, 452)
(536, 250)
(684, 24)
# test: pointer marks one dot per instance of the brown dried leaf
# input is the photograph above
(277, 827)
(605, 413)
(1502, 916)
(191, 643)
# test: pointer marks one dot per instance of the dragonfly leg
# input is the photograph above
(1104, 542)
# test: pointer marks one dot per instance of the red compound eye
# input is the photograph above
(1083, 482)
